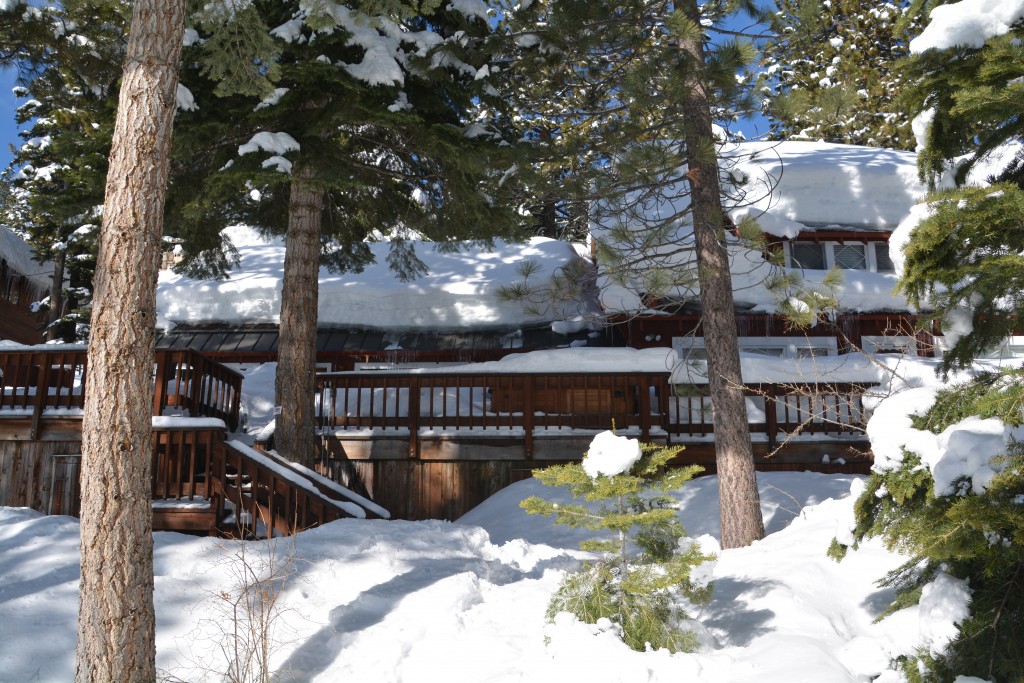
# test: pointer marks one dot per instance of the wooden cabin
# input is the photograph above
(23, 282)
(424, 405)
(821, 207)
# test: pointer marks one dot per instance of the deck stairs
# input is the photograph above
(226, 488)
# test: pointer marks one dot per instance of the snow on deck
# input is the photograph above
(295, 478)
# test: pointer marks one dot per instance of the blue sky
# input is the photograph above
(8, 130)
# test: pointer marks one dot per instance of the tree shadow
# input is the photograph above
(372, 606)
(733, 625)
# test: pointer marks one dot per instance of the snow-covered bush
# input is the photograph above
(644, 575)
(954, 502)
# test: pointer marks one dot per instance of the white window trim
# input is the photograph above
(790, 345)
(870, 259)
(871, 343)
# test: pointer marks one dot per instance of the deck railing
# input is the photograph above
(41, 379)
(529, 404)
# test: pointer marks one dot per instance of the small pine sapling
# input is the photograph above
(645, 567)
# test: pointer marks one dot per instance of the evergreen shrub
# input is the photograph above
(644, 571)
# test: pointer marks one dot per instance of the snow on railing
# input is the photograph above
(528, 403)
(50, 379)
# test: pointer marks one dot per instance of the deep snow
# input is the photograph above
(381, 601)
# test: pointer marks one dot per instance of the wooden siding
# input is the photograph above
(449, 488)
(31, 470)
(17, 294)
(644, 332)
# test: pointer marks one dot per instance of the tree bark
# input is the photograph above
(739, 502)
(116, 629)
(295, 426)
(56, 296)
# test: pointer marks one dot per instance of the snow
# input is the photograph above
(796, 185)
(184, 99)
(420, 601)
(959, 459)
(789, 188)
(818, 183)
(610, 455)
(18, 255)
(276, 143)
(968, 23)
(460, 290)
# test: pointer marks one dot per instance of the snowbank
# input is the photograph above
(415, 602)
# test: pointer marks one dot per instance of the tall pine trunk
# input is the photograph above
(116, 631)
(739, 502)
(295, 427)
(56, 296)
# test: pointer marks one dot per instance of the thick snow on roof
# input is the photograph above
(861, 291)
(18, 255)
(459, 290)
(789, 186)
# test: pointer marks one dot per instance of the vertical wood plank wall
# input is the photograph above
(27, 471)
(418, 489)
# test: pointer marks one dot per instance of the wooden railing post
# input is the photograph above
(160, 382)
(771, 420)
(645, 407)
(42, 389)
(413, 410)
(529, 419)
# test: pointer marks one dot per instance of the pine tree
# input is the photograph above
(628, 90)
(962, 261)
(640, 592)
(378, 124)
(116, 621)
(68, 59)
(830, 72)
(970, 530)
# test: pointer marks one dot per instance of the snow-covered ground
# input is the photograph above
(381, 601)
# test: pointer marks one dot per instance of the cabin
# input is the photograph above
(820, 206)
(23, 282)
(438, 391)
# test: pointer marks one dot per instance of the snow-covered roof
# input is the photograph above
(459, 291)
(18, 255)
(790, 187)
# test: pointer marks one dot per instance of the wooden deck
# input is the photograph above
(201, 482)
(422, 444)
(49, 381)
(469, 435)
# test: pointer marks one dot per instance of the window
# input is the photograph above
(692, 348)
(871, 256)
(883, 263)
(851, 256)
(889, 344)
(810, 255)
